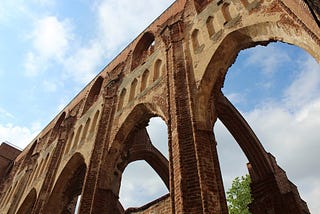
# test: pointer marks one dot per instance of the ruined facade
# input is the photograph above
(175, 69)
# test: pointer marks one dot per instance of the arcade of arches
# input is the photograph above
(174, 70)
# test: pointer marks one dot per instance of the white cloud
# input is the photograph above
(5, 114)
(51, 40)
(82, 65)
(31, 65)
(49, 86)
(158, 133)
(270, 60)
(51, 37)
(139, 188)
(291, 138)
(306, 85)
(236, 98)
(287, 129)
(120, 21)
(18, 135)
(46, 3)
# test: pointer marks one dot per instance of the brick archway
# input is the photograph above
(225, 55)
(266, 175)
(213, 78)
(67, 186)
(127, 137)
(28, 202)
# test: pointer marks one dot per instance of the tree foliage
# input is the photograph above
(239, 195)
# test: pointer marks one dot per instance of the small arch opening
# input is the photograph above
(210, 26)
(144, 80)
(85, 131)
(76, 141)
(93, 127)
(157, 69)
(226, 12)
(195, 40)
(121, 99)
(69, 143)
(133, 89)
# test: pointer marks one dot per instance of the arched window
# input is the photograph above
(44, 166)
(133, 89)
(226, 12)
(121, 99)
(94, 123)
(195, 39)
(85, 131)
(76, 139)
(210, 26)
(69, 143)
(144, 80)
(157, 70)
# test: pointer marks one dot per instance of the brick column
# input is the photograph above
(93, 198)
(275, 193)
(213, 196)
(44, 193)
(195, 179)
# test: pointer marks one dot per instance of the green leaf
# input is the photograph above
(239, 195)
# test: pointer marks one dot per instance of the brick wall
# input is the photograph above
(7, 155)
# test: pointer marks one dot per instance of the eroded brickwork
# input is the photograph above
(174, 70)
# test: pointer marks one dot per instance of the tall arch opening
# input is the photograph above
(133, 90)
(143, 49)
(276, 89)
(68, 187)
(139, 145)
(93, 94)
(28, 203)
(144, 80)
(137, 188)
(56, 128)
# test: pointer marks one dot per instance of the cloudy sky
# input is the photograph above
(51, 49)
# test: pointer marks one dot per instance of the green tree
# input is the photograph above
(239, 195)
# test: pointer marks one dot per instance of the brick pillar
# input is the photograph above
(275, 193)
(94, 198)
(210, 175)
(44, 193)
(195, 181)
(106, 202)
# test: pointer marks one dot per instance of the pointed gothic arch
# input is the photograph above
(28, 203)
(144, 47)
(67, 187)
(93, 94)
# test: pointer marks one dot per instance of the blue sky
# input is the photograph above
(51, 49)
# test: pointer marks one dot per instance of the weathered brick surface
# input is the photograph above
(7, 155)
(175, 70)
